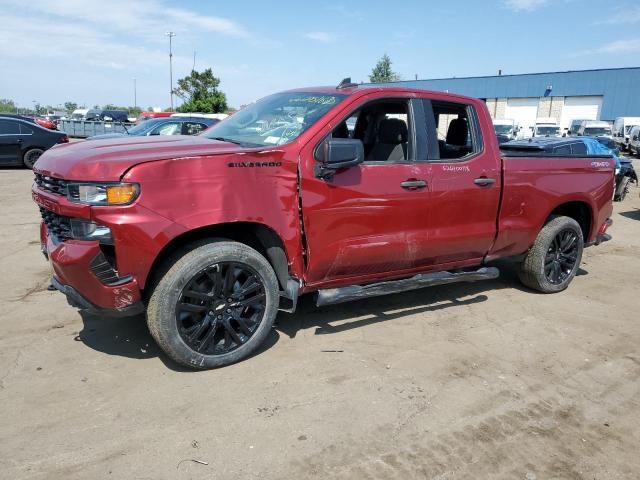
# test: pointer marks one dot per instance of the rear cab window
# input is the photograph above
(453, 127)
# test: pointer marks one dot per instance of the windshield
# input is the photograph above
(144, 127)
(503, 128)
(597, 131)
(275, 120)
(628, 128)
(548, 130)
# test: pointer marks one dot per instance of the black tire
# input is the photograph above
(214, 328)
(535, 271)
(622, 190)
(31, 156)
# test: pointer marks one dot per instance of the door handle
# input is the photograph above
(413, 184)
(484, 181)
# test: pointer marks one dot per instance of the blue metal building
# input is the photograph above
(604, 94)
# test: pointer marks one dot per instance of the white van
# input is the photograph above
(593, 128)
(506, 126)
(546, 127)
(79, 114)
(634, 140)
(621, 129)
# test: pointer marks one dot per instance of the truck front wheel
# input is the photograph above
(214, 305)
(555, 256)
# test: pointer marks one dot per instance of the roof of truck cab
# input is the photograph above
(364, 89)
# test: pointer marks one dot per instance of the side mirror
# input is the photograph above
(334, 154)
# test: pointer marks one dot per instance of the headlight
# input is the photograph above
(103, 194)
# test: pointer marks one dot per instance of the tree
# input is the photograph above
(200, 93)
(382, 71)
(70, 107)
(7, 106)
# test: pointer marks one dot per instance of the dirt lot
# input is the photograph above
(476, 381)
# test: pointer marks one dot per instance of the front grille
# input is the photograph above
(57, 225)
(53, 185)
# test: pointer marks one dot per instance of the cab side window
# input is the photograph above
(383, 127)
(9, 128)
(578, 149)
(192, 128)
(455, 130)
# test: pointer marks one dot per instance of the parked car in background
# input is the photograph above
(214, 116)
(575, 126)
(622, 128)
(634, 140)
(624, 172)
(610, 143)
(79, 114)
(163, 126)
(46, 123)
(506, 127)
(594, 128)
(546, 127)
(19, 117)
(100, 115)
(144, 116)
(22, 142)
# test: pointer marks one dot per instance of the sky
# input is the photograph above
(89, 51)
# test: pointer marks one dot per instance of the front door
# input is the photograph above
(10, 142)
(369, 219)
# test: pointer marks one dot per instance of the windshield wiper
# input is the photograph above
(228, 140)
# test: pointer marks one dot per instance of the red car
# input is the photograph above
(45, 122)
(149, 115)
(348, 192)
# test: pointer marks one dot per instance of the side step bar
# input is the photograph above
(355, 292)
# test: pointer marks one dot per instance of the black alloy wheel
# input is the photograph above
(220, 308)
(561, 256)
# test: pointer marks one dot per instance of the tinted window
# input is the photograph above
(25, 130)
(170, 128)
(579, 149)
(191, 128)
(457, 137)
(9, 128)
(562, 150)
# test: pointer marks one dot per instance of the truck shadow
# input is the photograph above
(632, 214)
(335, 318)
(129, 337)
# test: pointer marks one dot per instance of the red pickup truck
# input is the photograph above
(347, 191)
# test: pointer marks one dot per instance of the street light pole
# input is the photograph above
(170, 35)
(135, 93)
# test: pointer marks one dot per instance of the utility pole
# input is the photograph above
(135, 93)
(170, 35)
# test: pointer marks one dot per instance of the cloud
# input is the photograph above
(322, 37)
(524, 5)
(618, 47)
(624, 15)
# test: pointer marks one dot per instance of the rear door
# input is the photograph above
(10, 142)
(465, 183)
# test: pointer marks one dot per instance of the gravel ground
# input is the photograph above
(478, 381)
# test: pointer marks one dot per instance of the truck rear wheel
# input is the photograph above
(555, 256)
(214, 305)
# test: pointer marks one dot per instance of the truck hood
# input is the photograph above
(108, 160)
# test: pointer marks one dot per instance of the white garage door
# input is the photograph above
(524, 111)
(580, 108)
